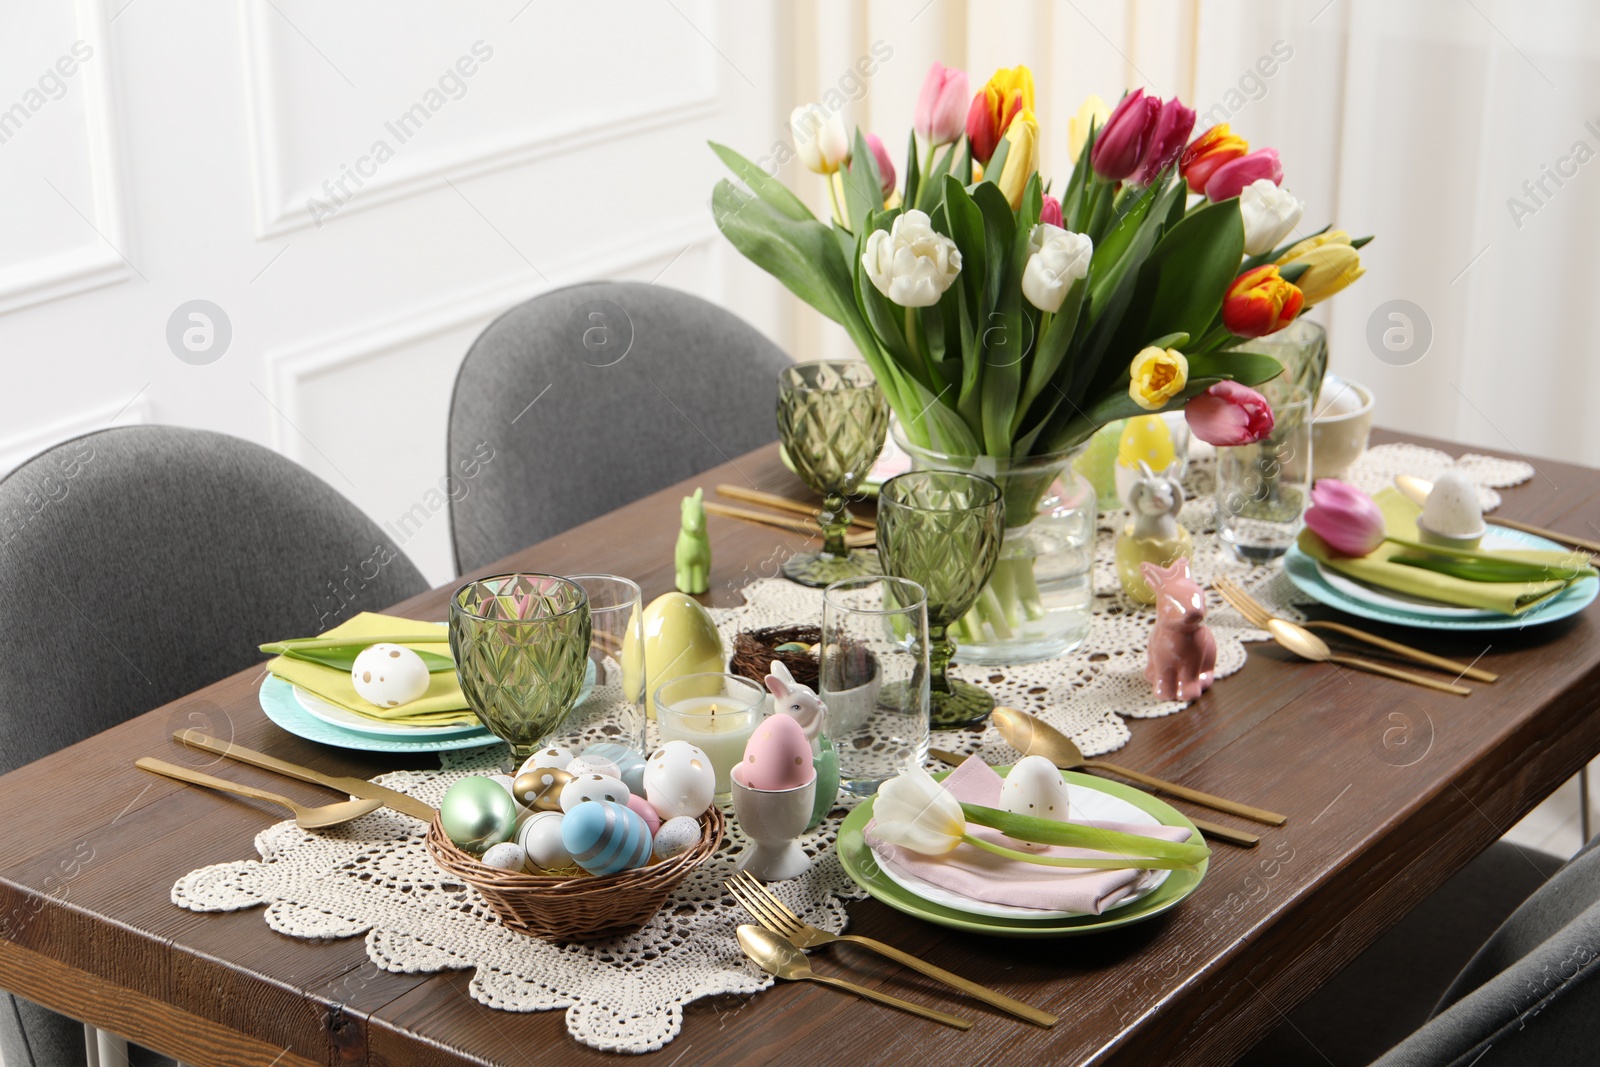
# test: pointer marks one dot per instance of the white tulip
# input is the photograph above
(917, 813)
(819, 138)
(911, 264)
(1058, 258)
(1269, 213)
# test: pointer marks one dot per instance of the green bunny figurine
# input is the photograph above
(693, 558)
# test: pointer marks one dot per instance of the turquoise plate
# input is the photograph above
(862, 866)
(277, 700)
(1307, 576)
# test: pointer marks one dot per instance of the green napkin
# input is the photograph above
(1400, 520)
(442, 704)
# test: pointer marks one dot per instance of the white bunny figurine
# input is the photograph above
(798, 702)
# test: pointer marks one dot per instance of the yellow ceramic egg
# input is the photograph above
(679, 638)
(1144, 437)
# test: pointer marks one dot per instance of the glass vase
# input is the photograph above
(1039, 601)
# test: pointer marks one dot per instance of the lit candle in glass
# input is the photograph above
(716, 713)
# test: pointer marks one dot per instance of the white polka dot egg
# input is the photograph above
(679, 780)
(676, 837)
(389, 675)
(1034, 787)
(592, 787)
(547, 759)
(507, 856)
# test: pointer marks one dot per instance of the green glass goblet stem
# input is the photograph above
(832, 419)
(943, 530)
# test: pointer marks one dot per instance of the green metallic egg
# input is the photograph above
(477, 813)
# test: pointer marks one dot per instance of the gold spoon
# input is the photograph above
(779, 958)
(1307, 645)
(1034, 737)
(1419, 488)
(307, 818)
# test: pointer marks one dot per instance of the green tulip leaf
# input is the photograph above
(768, 188)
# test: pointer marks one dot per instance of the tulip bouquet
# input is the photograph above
(1008, 317)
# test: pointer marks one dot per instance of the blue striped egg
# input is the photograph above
(629, 762)
(605, 837)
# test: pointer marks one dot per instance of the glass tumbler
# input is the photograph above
(832, 419)
(610, 708)
(874, 678)
(521, 645)
(943, 530)
(1263, 488)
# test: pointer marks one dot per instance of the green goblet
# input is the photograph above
(832, 419)
(943, 530)
(521, 644)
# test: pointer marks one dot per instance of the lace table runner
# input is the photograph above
(373, 876)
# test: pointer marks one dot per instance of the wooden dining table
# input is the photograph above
(1388, 789)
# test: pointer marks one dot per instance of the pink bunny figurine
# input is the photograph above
(797, 701)
(1183, 653)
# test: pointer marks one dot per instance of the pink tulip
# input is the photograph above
(1166, 142)
(1228, 180)
(880, 155)
(1347, 519)
(1119, 147)
(941, 115)
(1050, 210)
(1229, 414)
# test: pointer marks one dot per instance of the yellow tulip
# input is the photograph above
(1156, 376)
(1331, 264)
(1022, 157)
(1094, 112)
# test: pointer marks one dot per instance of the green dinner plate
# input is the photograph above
(862, 866)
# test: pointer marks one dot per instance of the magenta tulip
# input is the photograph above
(1228, 180)
(1229, 414)
(1167, 142)
(1347, 519)
(1119, 148)
(941, 115)
(1050, 210)
(880, 155)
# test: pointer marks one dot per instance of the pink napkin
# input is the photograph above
(982, 875)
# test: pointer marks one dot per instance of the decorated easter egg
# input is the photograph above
(541, 840)
(1144, 437)
(777, 756)
(546, 758)
(389, 675)
(676, 837)
(646, 812)
(541, 788)
(507, 855)
(680, 780)
(630, 764)
(1035, 787)
(605, 837)
(586, 765)
(593, 787)
(680, 638)
(1452, 508)
(476, 813)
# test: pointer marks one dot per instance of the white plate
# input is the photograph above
(334, 715)
(1090, 804)
(1497, 538)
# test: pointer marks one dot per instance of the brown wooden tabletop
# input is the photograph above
(1389, 789)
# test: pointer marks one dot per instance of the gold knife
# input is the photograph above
(356, 787)
(1205, 826)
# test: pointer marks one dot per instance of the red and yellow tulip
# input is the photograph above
(1260, 302)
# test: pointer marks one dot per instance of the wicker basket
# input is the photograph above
(754, 651)
(581, 908)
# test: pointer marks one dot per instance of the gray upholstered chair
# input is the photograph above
(141, 563)
(586, 398)
(1501, 966)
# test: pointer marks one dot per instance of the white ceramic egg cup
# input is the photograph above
(773, 819)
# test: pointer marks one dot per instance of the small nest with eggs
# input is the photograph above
(581, 907)
(754, 651)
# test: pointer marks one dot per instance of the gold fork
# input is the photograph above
(1258, 614)
(765, 907)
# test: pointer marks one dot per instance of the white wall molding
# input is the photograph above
(281, 210)
(290, 370)
(18, 448)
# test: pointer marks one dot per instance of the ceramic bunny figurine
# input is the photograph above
(1153, 534)
(798, 702)
(693, 555)
(1183, 652)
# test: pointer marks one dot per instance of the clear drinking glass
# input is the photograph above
(874, 678)
(521, 644)
(612, 705)
(832, 419)
(944, 531)
(1263, 489)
